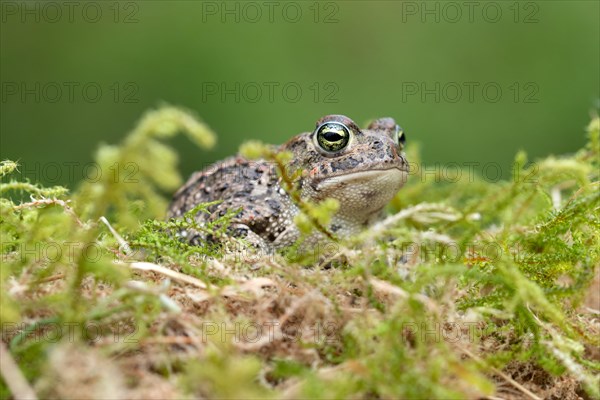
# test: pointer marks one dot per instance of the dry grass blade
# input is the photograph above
(387, 288)
(146, 266)
(13, 377)
(507, 378)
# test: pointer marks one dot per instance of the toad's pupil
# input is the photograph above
(332, 136)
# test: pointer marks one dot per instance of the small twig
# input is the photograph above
(123, 245)
(51, 278)
(14, 379)
(146, 266)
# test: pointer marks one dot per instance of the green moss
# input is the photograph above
(503, 265)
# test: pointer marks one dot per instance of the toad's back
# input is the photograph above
(239, 184)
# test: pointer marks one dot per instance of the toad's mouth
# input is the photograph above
(389, 178)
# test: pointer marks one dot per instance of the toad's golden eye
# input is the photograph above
(400, 137)
(333, 136)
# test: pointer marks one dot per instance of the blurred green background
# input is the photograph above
(80, 73)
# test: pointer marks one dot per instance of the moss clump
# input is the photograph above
(467, 289)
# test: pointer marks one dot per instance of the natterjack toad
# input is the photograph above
(362, 168)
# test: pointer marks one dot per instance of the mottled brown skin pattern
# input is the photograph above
(363, 176)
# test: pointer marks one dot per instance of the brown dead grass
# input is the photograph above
(149, 370)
